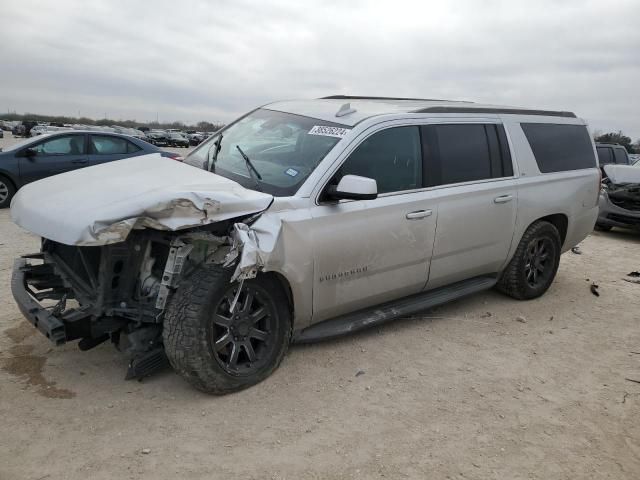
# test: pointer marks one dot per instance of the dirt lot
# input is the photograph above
(468, 390)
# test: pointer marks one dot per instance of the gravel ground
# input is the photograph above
(483, 388)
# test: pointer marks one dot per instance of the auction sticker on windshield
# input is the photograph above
(328, 131)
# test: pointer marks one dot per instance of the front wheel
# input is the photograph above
(534, 264)
(7, 191)
(216, 349)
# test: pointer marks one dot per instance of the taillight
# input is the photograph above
(599, 187)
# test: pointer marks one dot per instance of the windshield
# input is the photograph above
(284, 149)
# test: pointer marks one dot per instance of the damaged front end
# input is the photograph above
(620, 197)
(106, 271)
(119, 291)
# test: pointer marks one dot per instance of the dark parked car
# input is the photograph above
(611, 153)
(195, 139)
(50, 154)
(178, 140)
(158, 139)
(18, 130)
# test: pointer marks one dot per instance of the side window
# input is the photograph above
(605, 155)
(558, 147)
(621, 156)
(67, 145)
(392, 157)
(456, 153)
(108, 145)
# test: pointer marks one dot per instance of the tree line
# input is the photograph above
(619, 138)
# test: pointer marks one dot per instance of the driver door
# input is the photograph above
(368, 252)
(53, 156)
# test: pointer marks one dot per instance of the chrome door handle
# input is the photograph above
(418, 214)
(503, 199)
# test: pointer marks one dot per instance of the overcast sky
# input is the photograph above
(206, 60)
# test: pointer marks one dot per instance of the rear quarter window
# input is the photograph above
(558, 147)
(621, 156)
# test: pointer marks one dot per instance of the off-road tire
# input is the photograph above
(187, 323)
(5, 183)
(602, 228)
(513, 280)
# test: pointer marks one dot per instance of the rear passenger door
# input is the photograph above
(107, 148)
(53, 156)
(470, 166)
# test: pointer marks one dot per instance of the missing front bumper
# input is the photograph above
(41, 318)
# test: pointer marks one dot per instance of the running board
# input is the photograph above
(352, 322)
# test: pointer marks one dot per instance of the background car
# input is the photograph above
(38, 130)
(176, 139)
(619, 203)
(195, 139)
(157, 138)
(611, 153)
(52, 153)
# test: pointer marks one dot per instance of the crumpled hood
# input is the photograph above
(102, 204)
(622, 173)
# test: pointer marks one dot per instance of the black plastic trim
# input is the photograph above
(362, 97)
(52, 327)
(512, 111)
(353, 322)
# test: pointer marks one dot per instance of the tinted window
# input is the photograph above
(560, 147)
(605, 155)
(463, 153)
(620, 155)
(108, 145)
(391, 157)
(67, 145)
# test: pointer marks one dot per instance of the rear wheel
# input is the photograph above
(7, 191)
(534, 264)
(220, 349)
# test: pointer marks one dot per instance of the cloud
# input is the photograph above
(197, 60)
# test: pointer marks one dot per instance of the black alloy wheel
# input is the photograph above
(242, 339)
(539, 261)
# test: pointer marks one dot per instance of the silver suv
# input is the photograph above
(303, 221)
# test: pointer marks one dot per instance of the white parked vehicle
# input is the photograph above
(307, 220)
(38, 130)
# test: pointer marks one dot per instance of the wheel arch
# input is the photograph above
(7, 176)
(558, 220)
(284, 284)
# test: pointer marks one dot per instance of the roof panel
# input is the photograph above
(365, 107)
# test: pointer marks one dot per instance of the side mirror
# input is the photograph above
(354, 187)
(30, 152)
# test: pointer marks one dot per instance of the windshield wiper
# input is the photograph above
(250, 167)
(214, 157)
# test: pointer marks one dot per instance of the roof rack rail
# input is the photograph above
(360, 97)
(514, 111)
